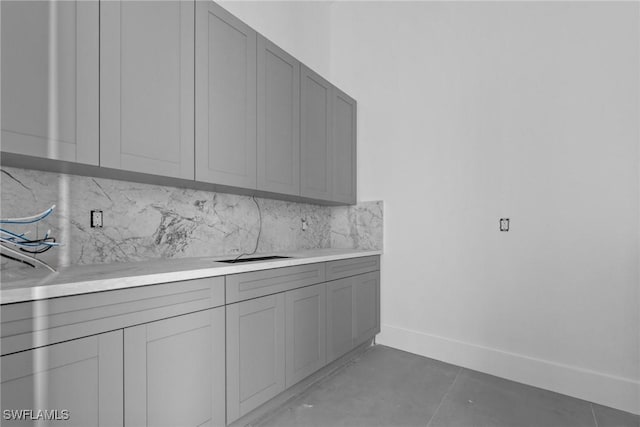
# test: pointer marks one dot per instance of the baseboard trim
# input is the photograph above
(609, 390)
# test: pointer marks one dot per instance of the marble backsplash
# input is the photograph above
(143, 221)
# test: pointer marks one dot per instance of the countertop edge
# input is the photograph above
(40, 292)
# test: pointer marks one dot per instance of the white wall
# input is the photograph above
(300, 27)
(469, 112)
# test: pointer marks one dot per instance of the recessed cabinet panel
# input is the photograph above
(344, 148)
(340, 318)
(353, 312)
(306, 332)
(255, 353)
(367, 294)
(225, 98)
(147, 92)
(82, 376)
(278, 120)
(50, 79)
(316, 136)
(174, 371)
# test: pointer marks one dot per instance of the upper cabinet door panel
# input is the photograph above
(225, 98)
(344, 148)
(316, 136)
(50, 79)
(278, 119)
(147, 87)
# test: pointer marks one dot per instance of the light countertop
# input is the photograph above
(103, 277)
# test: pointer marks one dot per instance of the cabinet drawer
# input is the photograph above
(351, 267)
(43, 322)
(255, 284)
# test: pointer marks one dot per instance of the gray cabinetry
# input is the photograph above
(351, 267)
(82, 376)
(344, 148)
(353, 306)
(255, 284)
(366, 291)
(278, 119)
(316, 163)
(37, 323)
(174, 371)
(340, 309)
(173, 347)
(50, 79)
(147, 87)
(225, 98)
(305, 319)
(255, 353)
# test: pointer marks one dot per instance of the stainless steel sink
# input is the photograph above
(253, 259)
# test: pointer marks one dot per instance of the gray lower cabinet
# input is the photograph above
(340, 305)
(225, 128)
(50, 79)
(278, 119)
(305, 325)
(174, 371)
(170, 359)
(83, 377)
(344, 147)
(366, 291)
(147, 87)
(316, 161)
(255, 353)
(353, 306)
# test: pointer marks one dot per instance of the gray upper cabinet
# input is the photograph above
(278, 120)
(172, 88)
(344, 147)
(225, 98)
(175, 371)
(147, 87)
(305, 320)
(83, 376)
(255, 353)
(316, 163)
(50, 79)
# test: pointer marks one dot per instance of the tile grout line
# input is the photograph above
(593, 412)
(444, 396)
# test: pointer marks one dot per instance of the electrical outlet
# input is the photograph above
(96, 219)
(504, 224)
(304, 224)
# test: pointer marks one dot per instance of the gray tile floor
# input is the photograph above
(389, 387)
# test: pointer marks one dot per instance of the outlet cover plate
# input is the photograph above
(96, 219)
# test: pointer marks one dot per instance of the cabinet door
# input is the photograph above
(83, 377)
(340, 318)
(146, 87)
(306, 332)
(316, 163)
(344, 148)
(366, 290)
(50, 79)
(225, 98)
(174, 371)
(278, 119)
(255, 353)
